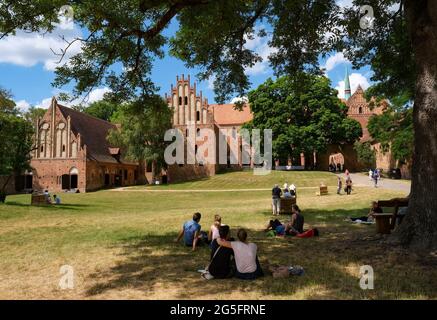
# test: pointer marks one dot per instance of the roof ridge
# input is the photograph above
(84, 114)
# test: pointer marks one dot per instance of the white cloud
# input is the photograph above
(344, 3)
(334, 61)
(22, 105)
(355, 80)
(211, 82)
(238, 99)
(95, 95)
(44, 104)
(261, 47)
(29, 49)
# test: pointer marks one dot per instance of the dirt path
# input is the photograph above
(359, 179)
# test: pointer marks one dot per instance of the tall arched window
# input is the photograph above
(360, 110)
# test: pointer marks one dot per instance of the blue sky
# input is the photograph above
(27, 66)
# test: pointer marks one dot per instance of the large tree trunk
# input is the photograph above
(419, 229)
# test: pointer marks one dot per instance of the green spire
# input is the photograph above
(347, 85)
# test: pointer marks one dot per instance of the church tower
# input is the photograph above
(347, 86)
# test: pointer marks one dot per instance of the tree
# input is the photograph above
(16, 142)
(101, 109)
(401, 42)
(304, 114)
(394, 130)
(365, 153)
(33, 114)
(143, 124)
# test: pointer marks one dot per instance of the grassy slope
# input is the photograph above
(120, 245)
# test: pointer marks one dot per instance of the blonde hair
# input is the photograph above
(217, 220)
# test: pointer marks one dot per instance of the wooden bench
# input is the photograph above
(385, 222)
(39, 200)
(286, 204)
(323, 190)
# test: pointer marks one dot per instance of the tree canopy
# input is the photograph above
(102, 109)
(400, 43)
(143, 125)
(305, 115)
(16, 140)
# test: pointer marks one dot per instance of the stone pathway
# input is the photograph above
(361, 180)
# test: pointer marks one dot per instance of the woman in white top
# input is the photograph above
(214, 230)
(245, 254)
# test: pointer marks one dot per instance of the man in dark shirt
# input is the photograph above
(221, 265)
(276, 200)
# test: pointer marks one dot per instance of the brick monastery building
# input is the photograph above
(73, 152)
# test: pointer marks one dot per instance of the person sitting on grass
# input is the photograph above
(191, 232)
(214, 230)
(246, 259)
(276, 226)
(221, 265)
(47, 196)
(369, 218)
(56, 199)
(295, 226)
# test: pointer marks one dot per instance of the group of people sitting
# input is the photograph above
(229, 257)
(287, 192)
(293, 227)
(56, 199)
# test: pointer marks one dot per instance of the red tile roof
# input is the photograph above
(93, 132)
(226, 115)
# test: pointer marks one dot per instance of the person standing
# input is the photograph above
(348, 185)
(339, 185)
(370, 174)
(276, 200)
(375, 178)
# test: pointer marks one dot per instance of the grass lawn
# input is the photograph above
(120, 244)
(247, 180)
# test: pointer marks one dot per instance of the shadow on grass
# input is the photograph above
(49, 207)
(162, 269)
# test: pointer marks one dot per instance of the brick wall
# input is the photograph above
(47, 173)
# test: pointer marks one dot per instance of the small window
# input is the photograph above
(180, 101)
(360, 110)
(125, 175)
(63, 148)
(186, 132)
(42, 148)
(198, 132)
(186, 100)
(198, 115)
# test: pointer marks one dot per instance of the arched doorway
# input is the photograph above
(71, 180)
(336, 162)
(74, 178)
